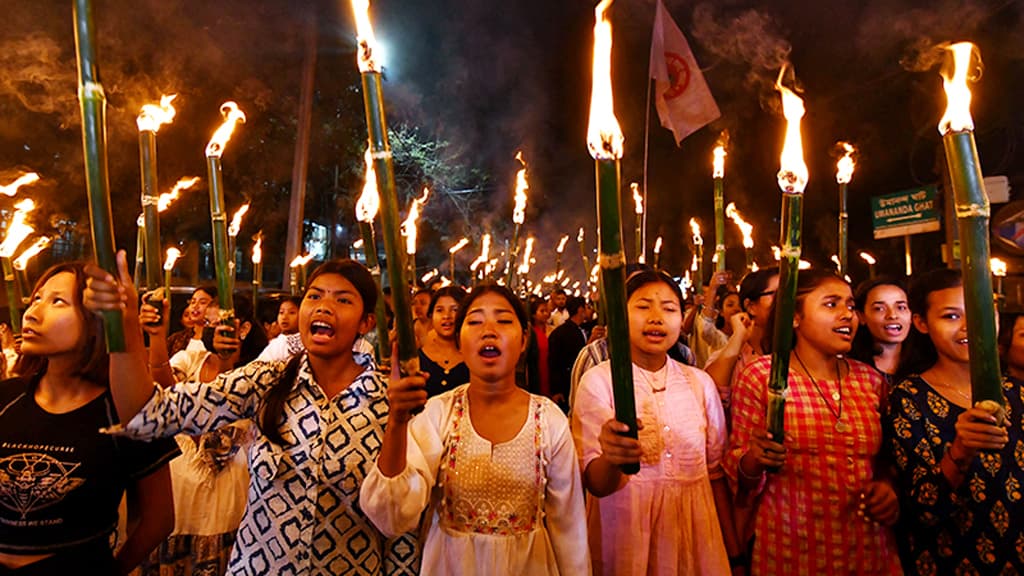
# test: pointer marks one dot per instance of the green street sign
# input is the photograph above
(912, 211)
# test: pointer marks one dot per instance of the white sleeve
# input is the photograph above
(594, 406)
(394, 505)
(717, 432)
(564, 511)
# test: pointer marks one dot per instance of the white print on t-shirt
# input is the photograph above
(31, 481)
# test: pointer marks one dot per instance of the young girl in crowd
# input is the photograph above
(440, 357)
(318, 421)
(674, 517)
(828, 509)
(493, 465)
(193, 320)
(959, 473)
(537, 379)
(61, 480)
(884, 316)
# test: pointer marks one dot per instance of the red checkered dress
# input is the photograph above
(806, 522)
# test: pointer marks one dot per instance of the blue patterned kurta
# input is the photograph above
(302, 514)
(977, 528)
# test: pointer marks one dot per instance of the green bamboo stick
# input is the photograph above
(14, 302)
(380, 311)
(844, 232)
(785, 306)
(218, 219)
(150, 199)
(719, 224)
(140, 255)
(972, 215)
(376, 124)
(612, 282)
(93, 103)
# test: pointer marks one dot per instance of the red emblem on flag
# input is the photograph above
(679, 75)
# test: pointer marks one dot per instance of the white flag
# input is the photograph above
(682, 97)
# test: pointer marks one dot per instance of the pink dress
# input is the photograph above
(663, 521)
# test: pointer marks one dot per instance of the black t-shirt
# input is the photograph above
(61, 480)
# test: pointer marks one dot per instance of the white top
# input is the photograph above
(511, 508)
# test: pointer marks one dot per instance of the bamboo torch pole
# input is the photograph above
(605, 142)
(218, 217)
(638, 210)
(972, 214)
(844, 173)
(698, 257)
(149, 120)
(718, 166)
(792, 180)
(257, 269)
(93, 103)
(376, 124)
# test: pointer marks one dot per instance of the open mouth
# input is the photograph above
(655, 333)
(962, 341)
(490, 351)
(893, 328)
(318, 328)
(844, 331)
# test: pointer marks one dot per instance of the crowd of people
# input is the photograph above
(293, 445)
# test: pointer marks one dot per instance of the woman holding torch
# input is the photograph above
(958, 473)
(317, 419)
(829, 508)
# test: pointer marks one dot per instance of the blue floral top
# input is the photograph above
(977, 528)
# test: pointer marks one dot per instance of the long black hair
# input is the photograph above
(806, 282)
(864, 346)
(271, 413)
(918, 353)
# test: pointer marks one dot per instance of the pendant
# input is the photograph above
(842, 427)
(835, 396)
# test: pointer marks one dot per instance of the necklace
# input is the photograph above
(841, 426)
(652, 380)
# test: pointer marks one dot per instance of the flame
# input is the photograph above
(777, 253)
(167, 198)
(485, 253)
(638, 199)
(593, 272)
(561, 244)
(754, 267)
(232, 117)
(745, 227)
(998, 267)
(236, 221)
(18, 230)
(835, 260)
(428, 276)
(844, 168)
(358, 244)
(519, 213)
(604, 136)
(804, 265)
(579, 237)
(695, 230)
(257, 250)
(793, 171)
(966, 67)
(22, 261)
(23, 180)
(172, 257)
(409, 226)
(462, 244)
(524, 267)
(549, 279)
(369, 200)
(300, 260)
(718, 164)
(867, 258)
(657, 245)
(365, 37)
(693, 263)
(153, 116)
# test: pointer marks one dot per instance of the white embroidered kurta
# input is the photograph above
(514, 508)
(302, 514)
(664, 520)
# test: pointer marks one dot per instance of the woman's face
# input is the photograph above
(655, 319)
(53, 323)
(886, 314)
(331, 316)
(197, 305)
(826, 320)
(491, 338)
(730, 306)
(946, 324)
(443, 317)
(288, 317)
(758, 308)
(542, 314)
(1015, 355)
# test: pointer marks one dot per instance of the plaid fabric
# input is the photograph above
(806, 521)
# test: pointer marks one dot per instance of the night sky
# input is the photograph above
(492, 78)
